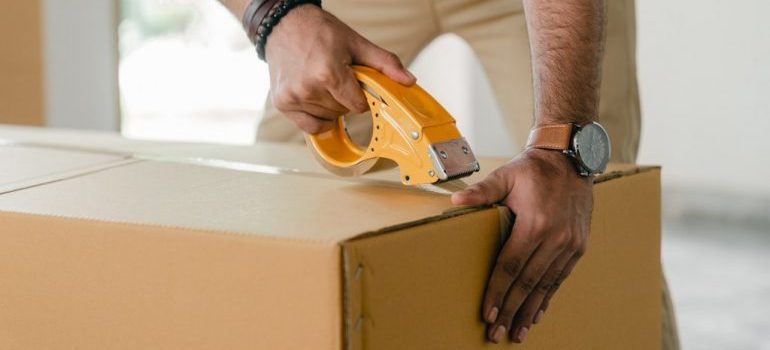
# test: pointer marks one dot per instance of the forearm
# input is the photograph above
(236, 7)
(566, 39)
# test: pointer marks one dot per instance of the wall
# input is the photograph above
(705, 85)
(81, 64)
(21, 68)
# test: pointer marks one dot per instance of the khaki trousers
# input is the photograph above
(496, 31)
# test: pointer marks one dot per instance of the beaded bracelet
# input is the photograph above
(261, 17)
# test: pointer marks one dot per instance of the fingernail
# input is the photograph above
(522, 333)
(498, 335)
(492, 315)
(539, 316)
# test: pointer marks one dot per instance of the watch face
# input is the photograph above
(592, 147)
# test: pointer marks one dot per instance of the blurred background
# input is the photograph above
(184, 70)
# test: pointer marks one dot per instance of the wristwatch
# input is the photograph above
(588, 146)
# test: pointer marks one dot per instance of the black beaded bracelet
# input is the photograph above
(271, 20)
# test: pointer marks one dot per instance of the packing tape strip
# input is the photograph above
(443, 189)
(14, 143)
(274, 170)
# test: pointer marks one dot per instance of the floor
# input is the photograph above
(719, 276)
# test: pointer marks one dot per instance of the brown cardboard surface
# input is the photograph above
(165, 254)
(81, 284)
(21, 63)
(180, 195)
(24, 166)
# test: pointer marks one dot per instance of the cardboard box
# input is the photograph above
(251, 248)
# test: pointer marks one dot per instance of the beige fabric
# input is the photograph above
(670, 333)
(496, 31)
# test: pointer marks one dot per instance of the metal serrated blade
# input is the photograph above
(453, 159)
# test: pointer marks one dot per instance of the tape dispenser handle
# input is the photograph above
(335, 145)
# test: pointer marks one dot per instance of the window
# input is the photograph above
(187, 72)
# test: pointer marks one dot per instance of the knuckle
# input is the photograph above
(484, 188)
(510, 267)
(352, 94)
(303, 92)
(326, 77)
(554, 287)
(580, 249)
(540, 221)
(310, 125)
(280, 101)
(392, 58)
(527, 314)
(545, 286)
(563, 241)
(557, 283)
(314, 128)
(527, 283)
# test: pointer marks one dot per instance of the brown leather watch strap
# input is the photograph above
(553, 137)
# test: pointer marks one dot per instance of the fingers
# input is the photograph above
(530, 312)
(348, 92)
(308, 105)
(497, 311)
(319, 111)
(563, 276)
(524, 285)
(494, 188)
(309, 123)
(368, 54)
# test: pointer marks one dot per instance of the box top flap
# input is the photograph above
(199, 197)
(274, 190)
(25, 166)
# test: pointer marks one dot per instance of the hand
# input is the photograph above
(552, 204)
(310, 53)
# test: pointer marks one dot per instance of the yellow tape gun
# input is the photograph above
(409, 127)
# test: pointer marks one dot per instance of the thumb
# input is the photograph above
(493, 189)
(388, 63)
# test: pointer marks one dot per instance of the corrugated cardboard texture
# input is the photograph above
(21, 63)
(420, 288)
(80, 284)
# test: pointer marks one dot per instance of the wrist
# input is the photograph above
(553, 164)
(261, 17)
(576, 119)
